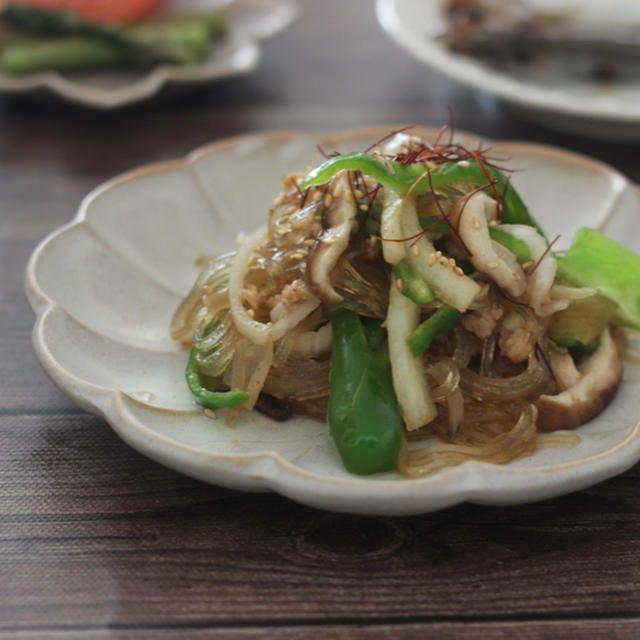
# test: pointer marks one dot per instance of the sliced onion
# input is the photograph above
(409, 377)
(541, 279)
(393, 251)
(249, 369)
(284, 347)
(563, 291)
(450, 286)
(313, 343)
(257, 332)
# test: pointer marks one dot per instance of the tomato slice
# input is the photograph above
(109, 11)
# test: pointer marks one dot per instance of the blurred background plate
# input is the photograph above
(238, 53)
(568, 102)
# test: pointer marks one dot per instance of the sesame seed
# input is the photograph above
(452, 262)
(338, 189)
(358, 194)
(475, 223)
(364, 207)
(492, 264)
(463, 163)
(251, 313)
(291, 209)
(458, 271)
(308, 242)
(328, 200)
(399, 284)
(438, 254)
(431, 259)
(516, 277)
(210, 414)
(443, 262)
(415, 250)
(526, 265)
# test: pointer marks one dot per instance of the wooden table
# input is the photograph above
(97, 541)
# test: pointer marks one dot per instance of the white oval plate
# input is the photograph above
(104, 288)
(571, 104)
(238, 53)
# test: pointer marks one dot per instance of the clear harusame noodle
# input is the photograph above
(406, 296)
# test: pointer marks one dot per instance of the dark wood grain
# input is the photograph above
(99, 542)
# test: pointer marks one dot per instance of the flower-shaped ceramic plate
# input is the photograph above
(104, 288)
(236, 54)
(562, 101)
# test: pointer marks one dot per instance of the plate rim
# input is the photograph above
(473, 73)
(269, 468)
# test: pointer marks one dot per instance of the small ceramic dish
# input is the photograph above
(566, 102)
(104, 288)
(238, 53)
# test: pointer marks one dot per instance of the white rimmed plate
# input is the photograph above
(105, 285)
(604, 110)
(236, 54)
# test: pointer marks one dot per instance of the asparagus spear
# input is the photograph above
(73, 43)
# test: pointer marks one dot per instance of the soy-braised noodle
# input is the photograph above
(423, 254)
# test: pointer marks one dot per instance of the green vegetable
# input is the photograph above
(205, 397)
(435, 226)
(595, 261)
(51, 39)
(364, 417)
(420, 179)
(440, 321)
(414, 286)
(579, 326)
(518, 247)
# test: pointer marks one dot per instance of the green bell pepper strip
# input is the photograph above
(518, 247)
(420, 179)
(440, 321)
(577, 348)
(596, 261)
(363, 415)
(205, 397)
(414, 286)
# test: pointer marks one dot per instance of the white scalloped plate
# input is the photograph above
(237, 54)
(579, 105)
(105, 285)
